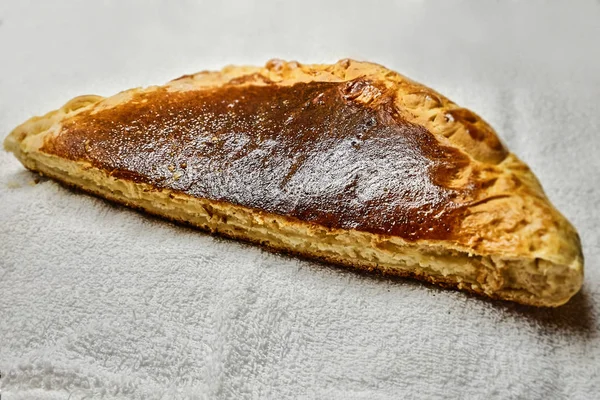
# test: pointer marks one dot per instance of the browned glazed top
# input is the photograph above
(313, 151)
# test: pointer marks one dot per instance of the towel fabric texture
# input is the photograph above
(98, 301)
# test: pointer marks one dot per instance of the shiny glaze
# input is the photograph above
(314, 151)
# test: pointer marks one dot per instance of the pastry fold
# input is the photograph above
(348, 163)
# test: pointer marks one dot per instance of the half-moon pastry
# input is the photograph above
(349, 163)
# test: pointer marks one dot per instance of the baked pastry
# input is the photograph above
(349, 163)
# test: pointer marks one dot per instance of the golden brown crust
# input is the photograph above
(532, 254)
(312, 151)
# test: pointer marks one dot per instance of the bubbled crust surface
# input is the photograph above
(508, 215)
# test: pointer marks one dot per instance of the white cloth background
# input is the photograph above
(100, 301)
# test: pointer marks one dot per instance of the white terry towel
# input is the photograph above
(98, 301)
